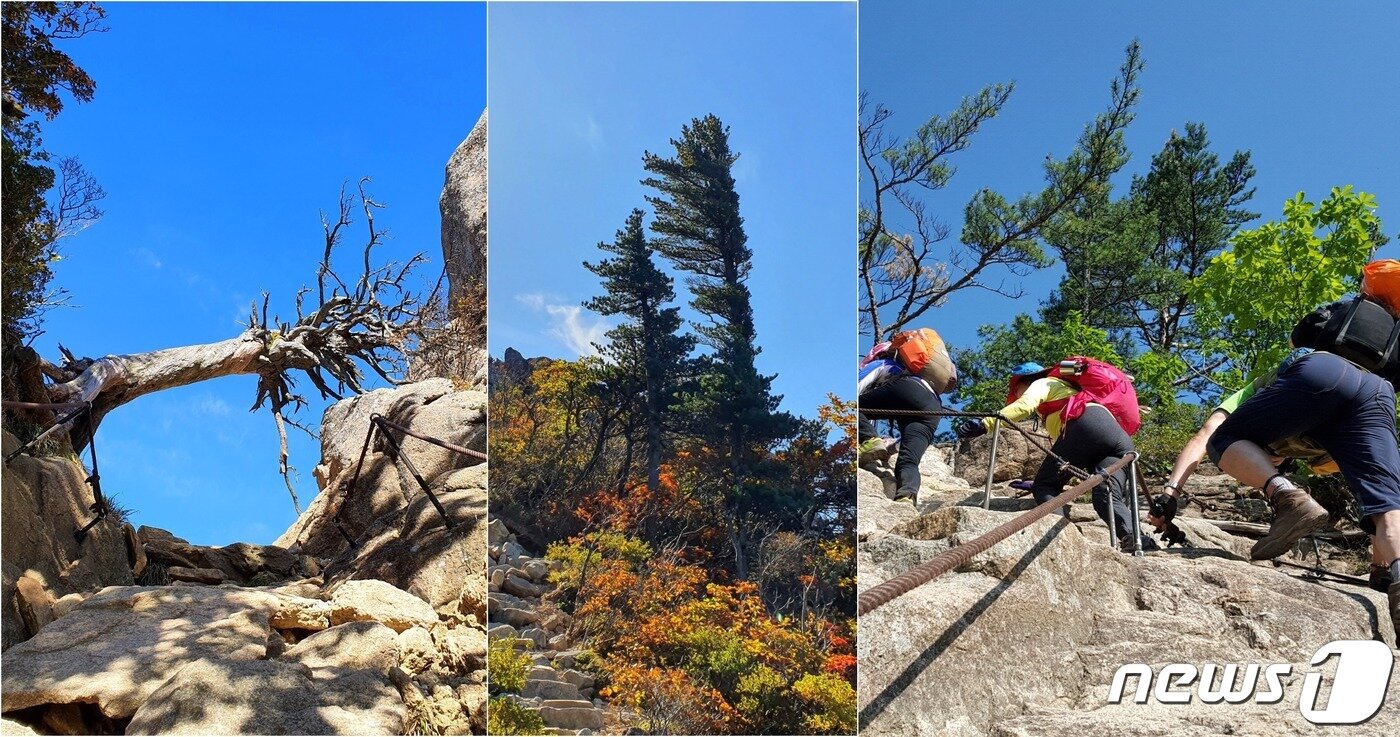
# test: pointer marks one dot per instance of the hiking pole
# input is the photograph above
(1137, 511)
(991, 464)
(1112, 516)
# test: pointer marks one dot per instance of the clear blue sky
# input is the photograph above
(219, 132)
(1308, 88)
(579, 91)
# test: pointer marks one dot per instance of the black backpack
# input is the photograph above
(1359, 330)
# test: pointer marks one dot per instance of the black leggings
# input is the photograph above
(915, 433)
(1093, 441)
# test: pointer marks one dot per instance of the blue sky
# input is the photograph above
(578, 92)
(219, 132)
(1308, 88)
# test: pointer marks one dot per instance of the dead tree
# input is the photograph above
(350, 329)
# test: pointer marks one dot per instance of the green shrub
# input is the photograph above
(506, 716)
(506, 667)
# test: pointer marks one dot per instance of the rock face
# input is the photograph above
(45, 501)
(431, 407)
(419, 554)
(270, 697)
(1016, 457)
(1025, 638)
(463, 206)
(115, 649)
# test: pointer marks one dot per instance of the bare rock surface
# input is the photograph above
(269, 697)
(120, 645)
(1017, 458)
(46, 500)
(432, 407)
(463, 206)
(1025, 638)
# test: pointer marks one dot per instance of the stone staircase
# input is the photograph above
(563, 695)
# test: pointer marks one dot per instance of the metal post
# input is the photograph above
(1137, 514)
(991, 464)
(1112, 520)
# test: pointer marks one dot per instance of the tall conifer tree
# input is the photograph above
(702, 234)
(647, 347)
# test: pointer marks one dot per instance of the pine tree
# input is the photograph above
(702, 234)
(647, 349)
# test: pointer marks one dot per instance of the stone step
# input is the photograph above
(571, 714)
(578, 678)
(551, 690)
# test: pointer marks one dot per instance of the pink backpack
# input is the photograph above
(1100, 383)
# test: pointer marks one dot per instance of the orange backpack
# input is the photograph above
(1380, 280)
(923, 353)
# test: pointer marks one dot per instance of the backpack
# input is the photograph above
(1380, 281)
(922, 352)
(1098, 382)
(1360, 330)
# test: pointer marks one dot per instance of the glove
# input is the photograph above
(1164, 506)
(969, 428)
(1023, 484)
(1173, 535)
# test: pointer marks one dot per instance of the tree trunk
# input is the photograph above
(112, 381)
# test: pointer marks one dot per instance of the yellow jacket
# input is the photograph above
(1039, 392)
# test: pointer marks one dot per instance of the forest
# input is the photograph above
(702, 538)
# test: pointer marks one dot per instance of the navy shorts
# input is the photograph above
(1348, 411)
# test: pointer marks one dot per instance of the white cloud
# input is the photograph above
(746, 170)
(147, 257)
(570, 324)
(588, 130)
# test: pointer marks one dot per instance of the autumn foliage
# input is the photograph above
(683, 645)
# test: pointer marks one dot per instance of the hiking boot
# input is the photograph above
(1125, 544)
(1380, 578)
(1296, 516)
(875, 451)
(907, 495)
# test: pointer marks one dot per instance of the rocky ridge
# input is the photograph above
(312, 636)
(1025, 638)
(562, 694)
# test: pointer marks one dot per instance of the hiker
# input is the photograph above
(908, 372)
(1342, 395)
(1301, 448)
(1086, 433)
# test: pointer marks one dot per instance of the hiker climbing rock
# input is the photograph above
(1089, 409)
(1342, 395)
(1302, 448)
(907, 372)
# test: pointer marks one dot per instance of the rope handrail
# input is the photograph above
(78, 409)
(378, 424)
(1027, 434)
(435, 441)
(881, 594)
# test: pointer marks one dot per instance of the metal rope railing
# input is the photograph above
(78, 410)
(379, 425)
(884, 593)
